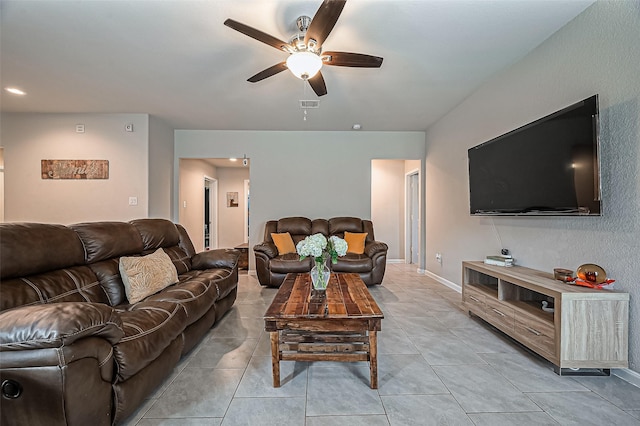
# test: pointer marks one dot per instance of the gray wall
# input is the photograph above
(312, 174)
(160, 168)
(598, 52)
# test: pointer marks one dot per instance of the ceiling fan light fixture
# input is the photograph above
(304, 65)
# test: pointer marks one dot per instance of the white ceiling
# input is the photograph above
(176, 60)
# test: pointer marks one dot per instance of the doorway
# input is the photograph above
(413, 217)
(210, 213)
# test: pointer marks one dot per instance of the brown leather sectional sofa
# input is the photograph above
(272, 268)
(73, 350)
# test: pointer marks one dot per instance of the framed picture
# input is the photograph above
(232, 199)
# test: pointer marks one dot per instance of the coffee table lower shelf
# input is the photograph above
(350, 340)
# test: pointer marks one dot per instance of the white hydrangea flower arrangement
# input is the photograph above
(318, 247)
(321, 249)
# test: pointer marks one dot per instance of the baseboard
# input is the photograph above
(395, 261)
(441, 280)
(627, 375)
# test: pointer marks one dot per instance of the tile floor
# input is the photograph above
(437, 366)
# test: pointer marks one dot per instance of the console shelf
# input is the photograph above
(587, 330)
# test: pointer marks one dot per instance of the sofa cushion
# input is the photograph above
(284, 243)
(108, 273)
(33, 248)
(157, 233)
(105, 240)
(196, 296)
(146, 275)
(338, 225)
(220, 279)
(353, 263)
(149, 327)
(294, 226)
(290, 263)
(355, 242)
(181, 260)
(77, 284)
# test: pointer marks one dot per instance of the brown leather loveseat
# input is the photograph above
(272, 267)
(73, 350)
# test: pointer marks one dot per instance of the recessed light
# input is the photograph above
(15, 91)
(356, 127)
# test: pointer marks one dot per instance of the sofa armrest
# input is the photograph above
(212, 259)
(57, 324)
(269, 249)
(375, 247)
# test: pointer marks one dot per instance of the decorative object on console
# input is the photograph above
(593, 276)
(321, 249)
(561, 274)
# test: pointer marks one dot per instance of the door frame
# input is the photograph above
(412, 227)
(247, 186)
(212, 183)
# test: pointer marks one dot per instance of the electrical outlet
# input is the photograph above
(439, 257)
(133, 201)
(79, 128)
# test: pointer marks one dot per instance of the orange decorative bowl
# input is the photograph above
(591, 273)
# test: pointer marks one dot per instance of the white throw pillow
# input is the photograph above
(145, 275)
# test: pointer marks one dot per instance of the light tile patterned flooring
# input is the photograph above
(437, 366)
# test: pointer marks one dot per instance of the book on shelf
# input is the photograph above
(501, 262)
(500, 256)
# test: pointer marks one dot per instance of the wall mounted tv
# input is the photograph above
(547, 167)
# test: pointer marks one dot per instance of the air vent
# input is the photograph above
(309, 104)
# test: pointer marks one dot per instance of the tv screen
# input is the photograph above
(547, 167)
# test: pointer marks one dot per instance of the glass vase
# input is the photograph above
(320, 275)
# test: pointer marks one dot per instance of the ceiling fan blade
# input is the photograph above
(268, 72)
(324, 21)
(317, 84)
(348, 59)
(256, 34)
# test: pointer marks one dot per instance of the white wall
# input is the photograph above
(191, 197)
(598, 52)
(231, 229)
(160, 168)
(29, 138)
(387, 205)
(312, 174)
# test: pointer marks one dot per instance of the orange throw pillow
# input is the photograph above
(284, 243)
(355, 242)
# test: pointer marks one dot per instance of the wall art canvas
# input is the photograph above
(232, 199)
(75, 169)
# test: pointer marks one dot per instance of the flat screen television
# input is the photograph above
(547, 167)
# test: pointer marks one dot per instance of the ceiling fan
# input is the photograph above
(305, 48)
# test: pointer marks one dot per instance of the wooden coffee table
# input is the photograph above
(340, 325)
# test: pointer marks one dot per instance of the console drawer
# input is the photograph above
(539, 335)
(474, 300)
(500, 315)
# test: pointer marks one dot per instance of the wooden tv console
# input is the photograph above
(587, 330)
